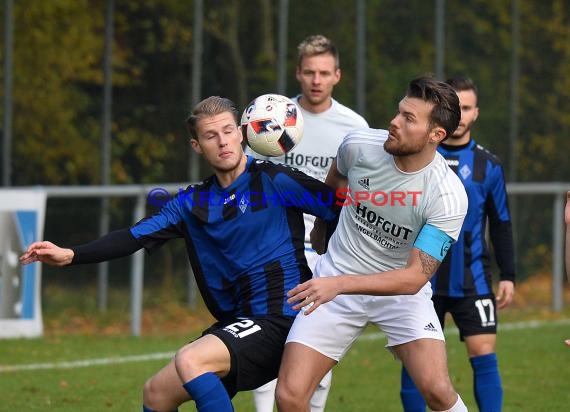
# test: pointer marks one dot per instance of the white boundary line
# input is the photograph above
(86, 362)
(533, 324)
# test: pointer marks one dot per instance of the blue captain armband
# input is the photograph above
(434, 242)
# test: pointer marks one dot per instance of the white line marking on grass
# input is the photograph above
(533, 324)
(86, 362)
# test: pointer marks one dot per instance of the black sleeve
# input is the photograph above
(501, 234)
(331, 227)
(113, 245)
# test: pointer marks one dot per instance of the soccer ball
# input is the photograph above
(272, 125)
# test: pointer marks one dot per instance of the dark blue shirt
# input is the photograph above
(245, 241)
(466, 269)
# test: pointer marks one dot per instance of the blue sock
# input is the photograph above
(487, 383)
(209, 393)
(412, 399)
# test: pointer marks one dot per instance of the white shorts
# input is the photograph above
(333, 327)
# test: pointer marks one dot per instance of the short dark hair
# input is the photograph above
(446, 111)
(209, 107)
(315, 45)
(461, 83)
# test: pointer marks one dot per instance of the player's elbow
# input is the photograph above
(415, 283)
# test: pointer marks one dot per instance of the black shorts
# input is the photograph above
(473, 315)
(256, 345)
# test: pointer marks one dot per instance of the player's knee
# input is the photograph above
(287, 398)
(186, 362)
(439, 395)
(151, 395)
(282, 395)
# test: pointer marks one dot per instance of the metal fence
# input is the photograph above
(140, 193)
(557, 191)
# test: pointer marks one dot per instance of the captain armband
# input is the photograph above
(434, 242)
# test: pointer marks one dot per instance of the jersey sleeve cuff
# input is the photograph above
(508, 276)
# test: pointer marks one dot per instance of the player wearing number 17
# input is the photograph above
(246, 254)
(462, 285)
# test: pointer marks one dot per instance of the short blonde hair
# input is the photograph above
(317, 44)
(209, 107)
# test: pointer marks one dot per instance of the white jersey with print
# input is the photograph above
(322, 135)
(377, 233)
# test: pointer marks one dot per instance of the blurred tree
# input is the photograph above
(337, 23)
(479, 41)
(57, 47)
(401, 46)
(544, 116)
(545, 111)
(58, 52)
(222, 23)
(153, 45)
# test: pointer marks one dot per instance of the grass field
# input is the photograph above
(533, 360)
(92, 365)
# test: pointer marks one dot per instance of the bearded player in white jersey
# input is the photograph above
(326, 122)
(403, 209)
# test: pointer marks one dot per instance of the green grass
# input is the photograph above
(534, 365)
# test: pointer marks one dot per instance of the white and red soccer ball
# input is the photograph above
(272, 125)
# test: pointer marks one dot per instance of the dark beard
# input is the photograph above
(399, 151)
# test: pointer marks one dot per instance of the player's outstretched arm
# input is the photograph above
(113, 245)
(47, 252)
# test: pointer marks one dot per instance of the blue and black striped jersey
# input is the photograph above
(245, 241)
(466, 269)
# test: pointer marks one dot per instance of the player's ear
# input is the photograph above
(240, 131)
(298, 73)
(337, 76)
(437, 135)
(476, 113)
(196, 146)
